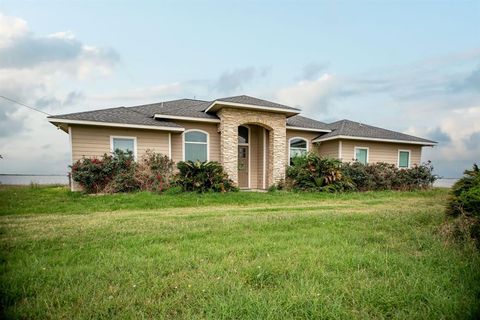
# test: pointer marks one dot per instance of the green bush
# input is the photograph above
(464, 205)
(384, 176)
(313, 173)
(203, 177)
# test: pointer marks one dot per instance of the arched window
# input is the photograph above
(297, 147)
(195, 145)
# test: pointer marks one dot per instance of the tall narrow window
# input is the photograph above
(124, 144)
(196, 145)
(242, 135)
(298, 147)
(361, 155)
(404, 158)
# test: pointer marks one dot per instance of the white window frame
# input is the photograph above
(355, 153)
(207, 143)
(289, 146)
(409, 158)
(125, 137)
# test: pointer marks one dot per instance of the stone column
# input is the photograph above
(278, 137)
(229, 145)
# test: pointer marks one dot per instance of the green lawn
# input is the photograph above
(240, 255)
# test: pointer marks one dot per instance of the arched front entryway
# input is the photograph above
(252, 156)
(270, 158)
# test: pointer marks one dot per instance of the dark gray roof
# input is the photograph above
(303, 122)
(256, 102)
(356, 129)
(183, 108)
(117, 115)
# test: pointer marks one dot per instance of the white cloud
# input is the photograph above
(45, 72)
(312, 96)
(11, 28)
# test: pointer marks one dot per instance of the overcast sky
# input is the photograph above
(409, 66)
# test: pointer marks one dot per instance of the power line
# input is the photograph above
(24, 105)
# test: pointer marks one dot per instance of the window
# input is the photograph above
(195, 145)
(404, 158)
(297, 147)
(124, 144)
(361, 155)
(242, 135)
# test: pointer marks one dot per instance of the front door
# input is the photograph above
(243, 166)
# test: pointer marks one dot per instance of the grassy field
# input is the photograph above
(233, 256)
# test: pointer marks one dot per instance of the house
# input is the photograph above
(253, 139)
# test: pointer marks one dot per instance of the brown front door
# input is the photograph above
(243, 166)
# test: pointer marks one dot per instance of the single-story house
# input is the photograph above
(253, 139)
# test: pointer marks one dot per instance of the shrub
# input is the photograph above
(203, 177)
(91, 173)
(313, 173)
(464, 205)
(120, 173)
(154, 172)
(122, 167)
(384, 176)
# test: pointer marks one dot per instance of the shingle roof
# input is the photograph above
(303, 122)
(183, 108)
(360, 130)
(243, 99)
(121, 115)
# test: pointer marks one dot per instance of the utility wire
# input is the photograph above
(24, 105)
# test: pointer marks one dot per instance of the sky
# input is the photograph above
(409, 66)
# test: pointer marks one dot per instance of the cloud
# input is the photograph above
(472, 142)
(439, 135)
(470, 82)
(312, 96)
(34, 69)
(312, 71)
(231, 81)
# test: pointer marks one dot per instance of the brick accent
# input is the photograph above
(274, 122)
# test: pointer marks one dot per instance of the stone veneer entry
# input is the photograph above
(275, 123)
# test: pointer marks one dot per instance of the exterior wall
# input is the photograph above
(94, 141)
(213, 139)
(307, 135)
(381, 151)
(276, 123)
(329, 149)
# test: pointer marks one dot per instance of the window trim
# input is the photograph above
(125, 137)
(249, 155)
(290, 147)
(355, 153)
(409, 158)
(206, 143)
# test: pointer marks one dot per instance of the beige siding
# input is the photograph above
(380, 151)
(328, 149)
(213, 136)
(94, 141)
(307, 135)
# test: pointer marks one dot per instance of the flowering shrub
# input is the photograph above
(120, 173)
(92, 174)
(154, 172)
(203, 177)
